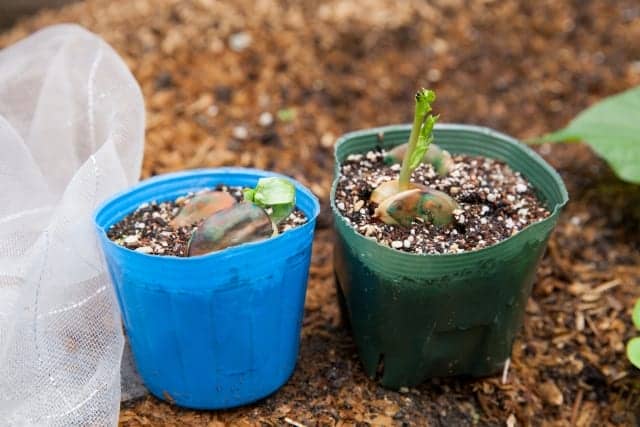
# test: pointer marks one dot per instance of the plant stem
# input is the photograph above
(405, 172)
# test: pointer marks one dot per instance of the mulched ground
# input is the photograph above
(494, 203)
(322, 69)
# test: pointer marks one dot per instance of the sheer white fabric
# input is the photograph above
(71, 134)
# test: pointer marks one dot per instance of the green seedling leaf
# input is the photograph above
(274, 191)
(633, 351)
(424, 141)
(424, 99)
(280, 212)
(277, 195)
(420, 136)
(635, 315)
(249, 194)
(612, 128)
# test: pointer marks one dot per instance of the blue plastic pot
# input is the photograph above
(217, 330)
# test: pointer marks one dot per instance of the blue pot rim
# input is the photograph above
(104, 214)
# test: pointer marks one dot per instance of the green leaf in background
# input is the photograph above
(278, 194)
(633, 351)
(612, 128)
(635, 315)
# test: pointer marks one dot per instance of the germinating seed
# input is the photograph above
(148, 230)
(495, 203)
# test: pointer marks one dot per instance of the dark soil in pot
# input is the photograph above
(148, 229)
(495, 203)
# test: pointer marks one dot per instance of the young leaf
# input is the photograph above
(419, 137)
(424, 141)
(276, 194)
(633, 351)
(280, 212)
(635, 315)
(424, 99)
(249, 194)
(612, 128)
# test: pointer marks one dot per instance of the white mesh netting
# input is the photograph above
(71, 134)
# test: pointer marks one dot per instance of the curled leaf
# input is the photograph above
(241, 223)
(430, 205)
(440, 159)
(276, 194)
(424, 99)
(202, 206)
(424, 140)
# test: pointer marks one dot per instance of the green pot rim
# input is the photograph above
(516, 154)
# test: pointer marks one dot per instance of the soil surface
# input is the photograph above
(210, 70)
(494, 203)
(149, 230)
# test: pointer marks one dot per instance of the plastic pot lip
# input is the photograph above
(119, 205)
(487, 252)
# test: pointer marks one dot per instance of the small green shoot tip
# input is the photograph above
(276, 195)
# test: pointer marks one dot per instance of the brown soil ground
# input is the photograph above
(518, 66)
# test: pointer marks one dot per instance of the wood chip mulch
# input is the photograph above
(271, 84)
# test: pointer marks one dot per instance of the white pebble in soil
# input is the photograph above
(240, 41)
(265, 119)
(240, 132)
(131, 240)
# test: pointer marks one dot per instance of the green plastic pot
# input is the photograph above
(419, 316)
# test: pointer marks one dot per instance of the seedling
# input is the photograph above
(400, 201)
(227, 223)
(276, 195)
